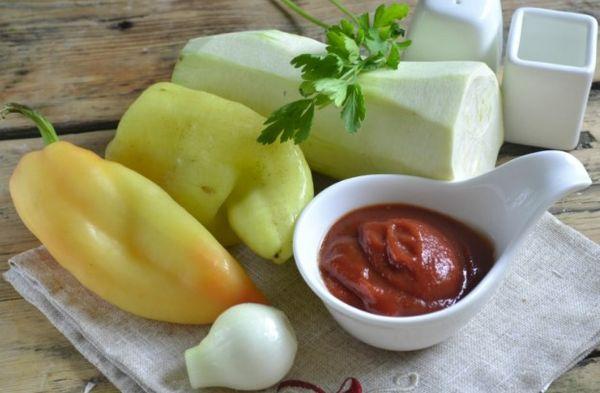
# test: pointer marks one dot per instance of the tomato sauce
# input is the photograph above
(401, 260)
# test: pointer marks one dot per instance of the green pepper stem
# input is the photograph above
(46, 129)
(300, 11)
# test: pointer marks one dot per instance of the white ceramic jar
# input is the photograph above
(548, 72)
(456, 30)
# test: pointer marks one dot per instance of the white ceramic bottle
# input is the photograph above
(456, 30)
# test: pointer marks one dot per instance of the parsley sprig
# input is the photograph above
(356, 45)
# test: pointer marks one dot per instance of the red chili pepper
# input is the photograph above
(354, 387)
(294, 383)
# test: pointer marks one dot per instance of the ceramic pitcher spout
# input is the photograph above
(530, 184)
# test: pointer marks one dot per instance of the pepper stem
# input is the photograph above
(46, 129)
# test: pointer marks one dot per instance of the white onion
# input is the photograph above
(249, 347)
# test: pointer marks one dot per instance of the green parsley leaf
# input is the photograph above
(290, 121)
(307, 88)
(347, 27)
(364, 21)
(356, 45)
(314, 67)
(334, 89)
(354, 109)
(384, 16)
(393, 58)
(342, 45)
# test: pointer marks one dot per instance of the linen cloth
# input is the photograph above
(544, 318)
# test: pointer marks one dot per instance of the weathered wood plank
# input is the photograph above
(37, 358)
(583, 379)
(83, 62)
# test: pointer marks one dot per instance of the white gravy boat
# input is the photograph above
(504, 204)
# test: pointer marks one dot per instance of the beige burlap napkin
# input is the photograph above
(545, 317)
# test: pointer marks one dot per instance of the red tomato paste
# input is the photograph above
(401, 260)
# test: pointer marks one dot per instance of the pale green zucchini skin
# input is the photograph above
(441, 120)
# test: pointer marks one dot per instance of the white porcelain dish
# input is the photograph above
(503, 203)
(456, 30)
(548, 71)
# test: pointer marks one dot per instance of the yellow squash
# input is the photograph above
(122, 236)
(202, 150)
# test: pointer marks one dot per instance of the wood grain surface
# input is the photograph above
(82, 62)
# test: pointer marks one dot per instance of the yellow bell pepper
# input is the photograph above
(202, 150)
(122, 236)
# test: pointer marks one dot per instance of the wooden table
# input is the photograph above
(82, 62)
